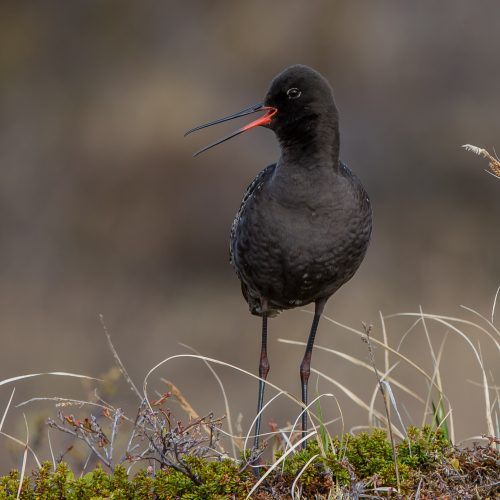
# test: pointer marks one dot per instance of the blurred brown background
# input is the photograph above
(103, 209)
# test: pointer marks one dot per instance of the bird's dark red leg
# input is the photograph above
(305, 366)
(263, 371)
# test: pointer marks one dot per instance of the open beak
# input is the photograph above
(263, 120)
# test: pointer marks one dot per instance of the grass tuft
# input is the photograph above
(427, 462)
(185, 458)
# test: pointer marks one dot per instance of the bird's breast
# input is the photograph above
(293, 247)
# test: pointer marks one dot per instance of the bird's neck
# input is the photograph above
(316, 144)
(308, 167)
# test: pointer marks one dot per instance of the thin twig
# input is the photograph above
(7, 408)
(368, 329)
(494, 164)
(117, 358)
(25, 456)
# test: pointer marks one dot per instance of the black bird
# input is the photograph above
(305, 222)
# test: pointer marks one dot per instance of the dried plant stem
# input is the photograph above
(79, 435)
(494, 162)
(191, 412)
(177, 394)
(119, 363)
(116, 422)
(7, 408)
(368, 329)
(25, 456)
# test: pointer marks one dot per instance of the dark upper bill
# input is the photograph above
(263, 120)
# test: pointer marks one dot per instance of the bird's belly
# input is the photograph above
(294, 258)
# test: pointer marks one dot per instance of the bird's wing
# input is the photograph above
(259, 179)
(363, 195)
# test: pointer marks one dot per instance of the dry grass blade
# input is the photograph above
(299, 475)
(479, 384)
(448, 318)
(317, 398)
(7, 408)
(453, 328)
(275, 465)
(249, 435)
(281, 431)
(357, 362)
(89, 456)
(371, 353)
(119, 363)
(436, 375)
(383, 377)
(356, 399)
(25, 456)
(486, 320)
(417, 494)
(394, 404)
(62, 402)
(21, 443)
(224, 396)
(443, 420)
(58, 374)
(473, 439)
(381, 344)
(494, 306)
(386, 342)
(476, 150)
(54, 465)
(437, 363)
(177, 394)
(186, 406)
(216, 362)
(206, 359)
(494, 164)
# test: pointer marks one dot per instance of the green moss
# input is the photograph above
(143, 485)
(371, 454)
(351, 459)
(321, 473)
(424, 447)
(368, 455)
(218, 480)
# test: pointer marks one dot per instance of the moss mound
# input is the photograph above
(351, 465)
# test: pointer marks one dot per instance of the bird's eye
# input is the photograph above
(293, 93)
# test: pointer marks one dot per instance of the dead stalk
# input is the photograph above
(368, 329)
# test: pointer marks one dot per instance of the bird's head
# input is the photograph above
(297, 101)
(304, 99)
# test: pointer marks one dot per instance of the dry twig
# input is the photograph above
(494, 163)
(368, 329)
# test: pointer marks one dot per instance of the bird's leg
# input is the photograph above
(305, 366)
(263, 371)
